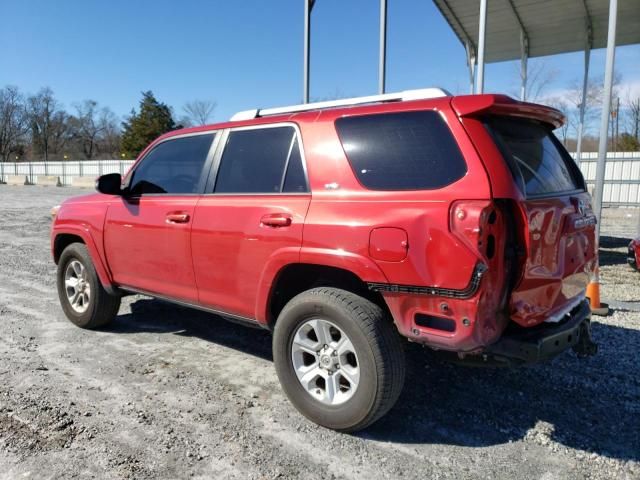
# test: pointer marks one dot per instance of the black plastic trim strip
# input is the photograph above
(467, 292)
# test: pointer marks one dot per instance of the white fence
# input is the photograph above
(621, 177)
(64, 170)
(621, 188)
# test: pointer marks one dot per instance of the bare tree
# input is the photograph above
(49, 123)
(633, 107)
(85, 127)
(539, 77)
(199, 112)
(110, 141)
(573, 97)
(91, 125)
(13, 121)
(561, 104)
(60, 131)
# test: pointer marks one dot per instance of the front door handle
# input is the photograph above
(276, 220)
(177, 217)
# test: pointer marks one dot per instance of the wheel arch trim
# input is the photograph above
(363, 268)
(103, 273)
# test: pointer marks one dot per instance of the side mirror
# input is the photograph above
(109, 184)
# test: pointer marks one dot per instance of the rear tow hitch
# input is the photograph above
(585, 347)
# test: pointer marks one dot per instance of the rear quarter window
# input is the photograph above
(538, 161)
(401, 151)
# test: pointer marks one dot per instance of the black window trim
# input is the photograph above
(215, 166)
(205, 168)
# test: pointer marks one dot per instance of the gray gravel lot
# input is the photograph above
(166, 392)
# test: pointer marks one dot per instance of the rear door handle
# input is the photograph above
(276, 220)
(177, 217)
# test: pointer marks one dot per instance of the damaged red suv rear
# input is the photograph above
(458, 222)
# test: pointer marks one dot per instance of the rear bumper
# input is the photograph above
(545, 341)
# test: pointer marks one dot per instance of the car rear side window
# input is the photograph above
(261, 160)
(401, 151)
(538, 161)
(172, 167)
(295, 181)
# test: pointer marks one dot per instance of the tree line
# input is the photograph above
(624, 123)
(37, 126)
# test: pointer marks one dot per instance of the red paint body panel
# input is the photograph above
(231, 249)
(84, 216)
(146, 251)
(633, 256)
(232, 246)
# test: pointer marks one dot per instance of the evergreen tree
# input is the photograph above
(142, 128)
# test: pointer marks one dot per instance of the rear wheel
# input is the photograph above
(339, 359)
(83, 298)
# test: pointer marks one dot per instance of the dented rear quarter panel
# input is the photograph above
(343, 215)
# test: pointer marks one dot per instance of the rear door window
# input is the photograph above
(401, 151)
(261, 160)
(539, 163)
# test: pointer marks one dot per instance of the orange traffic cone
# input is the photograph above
(593, 294)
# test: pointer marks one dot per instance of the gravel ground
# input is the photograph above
(167, 392)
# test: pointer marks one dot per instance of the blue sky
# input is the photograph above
(244, 53)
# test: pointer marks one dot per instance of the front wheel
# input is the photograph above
(83, 298)
(339, 358)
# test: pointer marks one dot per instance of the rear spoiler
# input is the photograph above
(474, 105)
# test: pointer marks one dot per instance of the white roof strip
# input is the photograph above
(419, 94)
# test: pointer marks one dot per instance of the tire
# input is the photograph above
(372, 348)
(94, 307)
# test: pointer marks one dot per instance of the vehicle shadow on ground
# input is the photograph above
(157, 316)
(613, 250)
(607, 241)
(584, 404)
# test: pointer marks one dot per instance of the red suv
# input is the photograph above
(457, 222)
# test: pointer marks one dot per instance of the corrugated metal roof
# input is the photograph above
(552, 26)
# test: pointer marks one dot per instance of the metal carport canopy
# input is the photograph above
(552, 26)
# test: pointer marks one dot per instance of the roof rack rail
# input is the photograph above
(419, 94)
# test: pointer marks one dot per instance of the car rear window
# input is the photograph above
(538, 161)
(401, 151)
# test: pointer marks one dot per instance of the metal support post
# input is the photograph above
(382, 60)
(481, 42)
(308, 6)
(583, 102)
